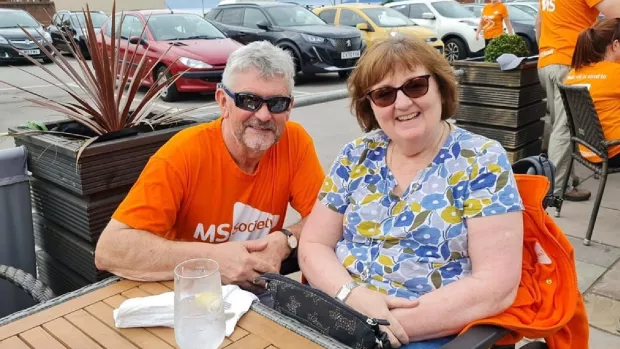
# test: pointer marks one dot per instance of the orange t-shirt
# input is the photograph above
(561, 23)
(192, 190)
(493, 16)
(603, 81)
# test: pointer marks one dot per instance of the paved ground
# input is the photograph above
(331, 125)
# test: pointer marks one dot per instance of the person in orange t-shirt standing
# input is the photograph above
(596, 64)
(558, 24)
(221, 190)
(492, 20)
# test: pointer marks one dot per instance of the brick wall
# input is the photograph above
(42, 10)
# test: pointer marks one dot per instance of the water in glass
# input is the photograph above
(199, 321)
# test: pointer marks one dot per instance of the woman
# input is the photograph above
(492, 19)
(416, 210)
(596, 64)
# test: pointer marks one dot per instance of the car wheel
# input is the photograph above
(295, 58)
(455, 50)
(530, 45)
(344, 74)
(171, 93)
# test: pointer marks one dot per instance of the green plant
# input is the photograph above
(505, 43)
(108, 86)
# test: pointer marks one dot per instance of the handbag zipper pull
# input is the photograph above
(375, 322)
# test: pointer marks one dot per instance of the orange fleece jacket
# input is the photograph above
(549, 304)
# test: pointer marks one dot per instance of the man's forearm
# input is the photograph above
(465, 301)
(296, 228)
(142, 256)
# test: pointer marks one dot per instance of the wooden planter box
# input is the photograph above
(74, 204)
(506, 106)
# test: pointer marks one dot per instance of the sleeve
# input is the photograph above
(155, 199)
(308, 177)
(492, 185)
(505, 12)
(334, 192)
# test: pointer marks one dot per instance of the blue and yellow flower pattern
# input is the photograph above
(417, 242)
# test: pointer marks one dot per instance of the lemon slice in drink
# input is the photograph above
(212, 301)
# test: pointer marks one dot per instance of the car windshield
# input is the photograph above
(289, 16)
(387, 17)
(16, 19)
(517, 14)
(79, 19)
(167, 27)
(451, 9)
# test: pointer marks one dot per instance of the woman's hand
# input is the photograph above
(377, 305)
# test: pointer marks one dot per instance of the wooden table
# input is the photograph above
(86, 322)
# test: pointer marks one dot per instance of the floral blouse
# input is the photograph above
(412, 244)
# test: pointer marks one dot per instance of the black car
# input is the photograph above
(14, 43)
(67, 24)
(316, 46)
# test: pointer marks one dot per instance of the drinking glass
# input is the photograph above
(199, 321)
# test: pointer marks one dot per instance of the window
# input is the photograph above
(527, 9)
(387, 17)
(404, 9)
(348, 17)
(476, 10)
(416, 10)
(451, 9)
(253, 16)
(108, 29)
(15, 19)
(231, 16)
(289, 16)
(131, 27)
(79, 19)
(519, 15)
(182, 26)
(329, 16)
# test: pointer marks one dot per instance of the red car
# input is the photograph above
(196, 44)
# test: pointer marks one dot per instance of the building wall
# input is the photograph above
(106, 5)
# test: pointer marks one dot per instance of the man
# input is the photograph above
(492, 20)
(220, 190)
(558, 24)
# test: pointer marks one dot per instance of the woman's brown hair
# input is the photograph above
(592, 43)
(383, 58)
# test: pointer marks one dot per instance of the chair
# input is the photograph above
(28, 283)
(585, 129)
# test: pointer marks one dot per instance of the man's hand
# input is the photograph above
(238, 263)
(276, 251)
(377, 305)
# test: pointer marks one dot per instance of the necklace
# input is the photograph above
(366, 272)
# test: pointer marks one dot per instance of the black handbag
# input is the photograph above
(327, 315)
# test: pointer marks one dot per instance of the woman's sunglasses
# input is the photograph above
(386, 96)
(252, 102)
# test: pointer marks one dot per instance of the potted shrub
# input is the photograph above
(82, 167)
(505, 105)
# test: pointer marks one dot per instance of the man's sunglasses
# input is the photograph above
(252, 102)
(413, 88)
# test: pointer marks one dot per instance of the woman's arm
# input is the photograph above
(495, 248)
(509, 25)
(317, 259)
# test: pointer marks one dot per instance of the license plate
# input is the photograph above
(32, 52)
(350, 54)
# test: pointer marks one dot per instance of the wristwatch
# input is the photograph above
(345, 291)
(291, 239)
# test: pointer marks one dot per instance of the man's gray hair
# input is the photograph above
(269, 60)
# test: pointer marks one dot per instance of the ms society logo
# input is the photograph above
(248, 224)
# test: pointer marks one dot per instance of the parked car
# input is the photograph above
(72, 24)
(455, 25)
(315, 46)
(13, 39)
(529, 6)
(523, 27)
(200, 50)
(376, 21)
